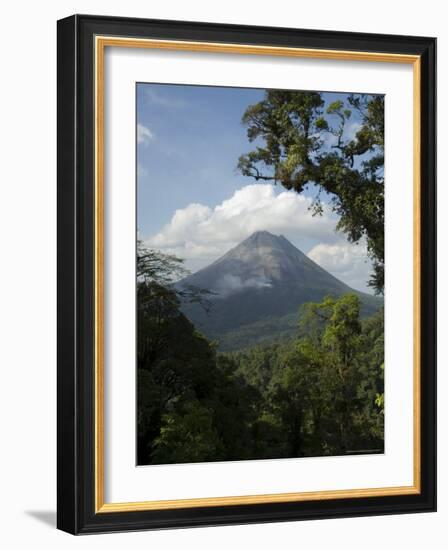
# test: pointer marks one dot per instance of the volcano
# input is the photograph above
(257, 289)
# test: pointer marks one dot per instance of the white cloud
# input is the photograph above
(329, 139)
(346, 261)
(144, 134)
(198, 230)
(201, 234)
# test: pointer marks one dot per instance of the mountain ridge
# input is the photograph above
(262, 278)
(265, 241)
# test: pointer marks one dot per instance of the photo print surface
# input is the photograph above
(260, 274)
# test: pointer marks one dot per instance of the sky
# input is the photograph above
(192, 201)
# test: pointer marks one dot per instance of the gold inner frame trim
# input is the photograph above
(101, 42)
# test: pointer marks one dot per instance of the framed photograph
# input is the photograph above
(246, 271)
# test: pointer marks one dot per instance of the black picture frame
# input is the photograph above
(76, 256)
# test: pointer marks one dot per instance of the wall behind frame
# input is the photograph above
(28, 274)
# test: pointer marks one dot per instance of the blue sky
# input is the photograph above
(193, 156)
(192, 201)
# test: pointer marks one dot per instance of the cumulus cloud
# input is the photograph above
(201, 234)
(346, 261)
(229, 284)
(198, 230)
(144, 134)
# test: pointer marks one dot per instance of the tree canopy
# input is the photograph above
(192, 407)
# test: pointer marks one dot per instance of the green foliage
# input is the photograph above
(379, 399)
(156, 273)
(291, 131)
(274, 329)
(317, 393)
(320, 390)
(191, 405)
(187, 436)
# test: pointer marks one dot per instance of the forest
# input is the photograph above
(319, 393)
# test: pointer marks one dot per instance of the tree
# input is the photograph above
(317, 394)
(348, 356)
(289, 399)
(192, 406)
(161, 270)
(291, 132)
(187, 436)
